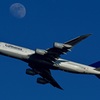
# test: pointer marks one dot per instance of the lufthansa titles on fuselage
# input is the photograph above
(14, 47)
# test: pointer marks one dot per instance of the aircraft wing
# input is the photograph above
(55, 52)
(46, 74)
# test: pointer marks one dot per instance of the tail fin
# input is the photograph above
(96, 64)
(98, 76)
(97, 67)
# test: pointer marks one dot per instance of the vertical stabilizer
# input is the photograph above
(96, 64)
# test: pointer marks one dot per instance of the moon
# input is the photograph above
(18, 10)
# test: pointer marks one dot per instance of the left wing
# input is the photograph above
(46, 75)
(52, 54)
(60, 48)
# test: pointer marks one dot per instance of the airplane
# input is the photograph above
(42, 61)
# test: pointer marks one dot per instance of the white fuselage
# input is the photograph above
(15, 51)
(65, 65)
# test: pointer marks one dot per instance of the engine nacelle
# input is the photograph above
(40, 51)
(61, 45)
(58, 45)
(41, 81)
(30, 72)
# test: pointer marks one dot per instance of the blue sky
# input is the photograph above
(47, 21)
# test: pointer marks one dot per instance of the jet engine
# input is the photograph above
(30, 72)
(58, 45)
(40, 51)
(61, 45)
(42, 81)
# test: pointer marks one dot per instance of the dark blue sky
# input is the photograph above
(47, 21)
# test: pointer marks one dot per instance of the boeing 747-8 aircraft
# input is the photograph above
(42, 61)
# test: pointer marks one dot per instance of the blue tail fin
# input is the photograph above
(97, 67)
(98, 76)
(96, 64)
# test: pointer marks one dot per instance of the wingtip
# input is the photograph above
(60, 88)
(86, 35)
(89, 34)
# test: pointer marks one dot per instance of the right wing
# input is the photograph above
(46, 75)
